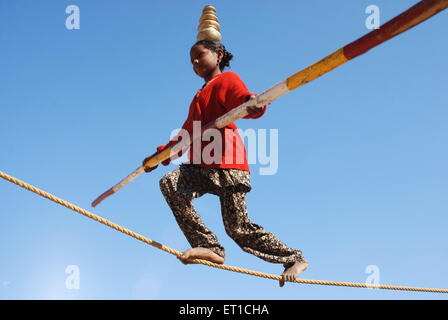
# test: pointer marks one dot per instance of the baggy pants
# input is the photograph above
(187, 182)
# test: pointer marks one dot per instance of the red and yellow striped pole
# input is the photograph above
(405, 21)
(420, 12)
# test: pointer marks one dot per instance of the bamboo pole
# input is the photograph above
(418, 13)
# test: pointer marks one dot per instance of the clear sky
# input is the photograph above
(362, 176)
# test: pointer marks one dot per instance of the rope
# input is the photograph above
(200, 261)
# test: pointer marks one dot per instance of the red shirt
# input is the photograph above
(222, 93)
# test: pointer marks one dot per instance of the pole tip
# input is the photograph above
(102, 197)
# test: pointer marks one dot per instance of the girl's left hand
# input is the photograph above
(253, 110)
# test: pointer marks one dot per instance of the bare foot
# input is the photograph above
(200, 253)
(291, 273)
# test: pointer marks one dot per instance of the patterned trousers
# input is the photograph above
(187, 182)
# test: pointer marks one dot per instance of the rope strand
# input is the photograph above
(200, 261)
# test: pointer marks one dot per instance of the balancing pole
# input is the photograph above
(418, 13)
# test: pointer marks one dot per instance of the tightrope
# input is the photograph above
(160, 246)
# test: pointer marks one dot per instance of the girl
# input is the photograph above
(230, 180)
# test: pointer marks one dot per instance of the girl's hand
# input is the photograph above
(147, 169)
(253, 110)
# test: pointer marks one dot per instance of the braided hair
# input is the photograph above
(216, 46)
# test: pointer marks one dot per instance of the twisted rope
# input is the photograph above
(200, 261)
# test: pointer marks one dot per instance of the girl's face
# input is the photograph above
(205, 61)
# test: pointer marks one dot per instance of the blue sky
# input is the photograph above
(362, 156)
